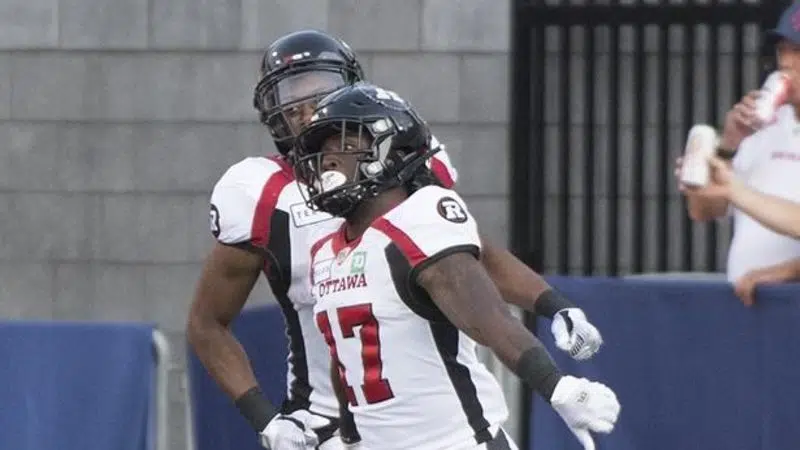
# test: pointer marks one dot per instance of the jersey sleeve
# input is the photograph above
(441, 166)
(244, 199)
(434, 222)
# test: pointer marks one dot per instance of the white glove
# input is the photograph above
(574, 334)
(293, 431)
(585, 406)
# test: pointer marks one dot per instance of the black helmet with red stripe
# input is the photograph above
(361, 140)
(296, 71)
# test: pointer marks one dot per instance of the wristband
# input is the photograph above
(347, 427)
(536, 368)
(724, 153)
(550, 302)
(255, 407)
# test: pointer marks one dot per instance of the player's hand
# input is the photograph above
(293, 431)
(586, 407)
(575, 334)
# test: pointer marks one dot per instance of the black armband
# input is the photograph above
(724, 153)
(550, 302)
(347, 426)
(538, 370)
(255, 407)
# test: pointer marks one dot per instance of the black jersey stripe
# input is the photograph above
(446, 337)
(279, 274)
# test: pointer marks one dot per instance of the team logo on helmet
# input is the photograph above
(385, 97)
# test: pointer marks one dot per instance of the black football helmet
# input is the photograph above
(296, 71)
(393, 145)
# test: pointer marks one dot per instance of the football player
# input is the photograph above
(261, 224)
(401, 296)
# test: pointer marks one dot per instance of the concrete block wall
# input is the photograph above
(117, 117)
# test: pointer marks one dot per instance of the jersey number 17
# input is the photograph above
(376, 389)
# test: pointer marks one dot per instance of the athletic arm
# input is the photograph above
(462, 289)
(518, 284)
(347, 427)
(228, 277)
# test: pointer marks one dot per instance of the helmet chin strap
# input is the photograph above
(407, 172)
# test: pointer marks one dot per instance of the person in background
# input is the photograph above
(778, 214)
(766, 158)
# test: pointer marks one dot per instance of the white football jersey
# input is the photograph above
(413, 379)
(258, 202)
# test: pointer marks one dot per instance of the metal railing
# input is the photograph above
(160, 393)
(602, 99)
(602, 96)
